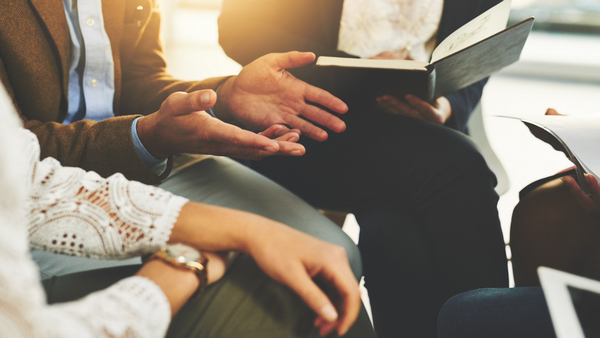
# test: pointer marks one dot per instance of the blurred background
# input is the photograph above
(559, 68)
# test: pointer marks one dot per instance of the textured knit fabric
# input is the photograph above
(406, 28)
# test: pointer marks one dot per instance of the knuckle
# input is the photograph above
(338, 252)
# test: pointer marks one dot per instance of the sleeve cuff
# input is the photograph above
(157, 166)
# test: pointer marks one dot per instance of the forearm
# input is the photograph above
(197, 226)
(105, 147)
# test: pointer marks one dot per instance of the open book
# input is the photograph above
(470, 54)
(577, 136)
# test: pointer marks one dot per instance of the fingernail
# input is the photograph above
(270, 149)
(296, 153)
(205, 97)
(329, 313)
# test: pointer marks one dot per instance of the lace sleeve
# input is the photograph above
(74, 212)
(134, 307)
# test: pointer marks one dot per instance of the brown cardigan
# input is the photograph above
(34, 67)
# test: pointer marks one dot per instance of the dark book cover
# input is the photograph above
(440, 78)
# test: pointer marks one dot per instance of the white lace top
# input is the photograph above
(68, 210)
(406, 28)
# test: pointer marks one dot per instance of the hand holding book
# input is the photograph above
(437, 112)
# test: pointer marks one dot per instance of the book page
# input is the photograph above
(371, 63)
(485, 25)
(581, 133)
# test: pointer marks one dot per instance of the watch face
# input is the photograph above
(183, 253)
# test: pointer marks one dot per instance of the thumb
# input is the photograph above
(181, 103)
(290, 60)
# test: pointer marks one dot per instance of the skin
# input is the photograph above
(287, 255)
(438, 112)
(262, 97)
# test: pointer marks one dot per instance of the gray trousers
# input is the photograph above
(245, 302)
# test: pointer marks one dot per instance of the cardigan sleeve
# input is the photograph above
(463, 102)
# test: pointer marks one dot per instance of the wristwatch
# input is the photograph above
(185, 257)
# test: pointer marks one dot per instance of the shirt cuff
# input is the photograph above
(157, 166)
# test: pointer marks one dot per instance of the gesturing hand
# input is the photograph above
(417, 108)
(264, 94)
(181, 125)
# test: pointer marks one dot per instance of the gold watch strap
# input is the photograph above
(198, 267)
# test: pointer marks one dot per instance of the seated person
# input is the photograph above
(74, 212)
(81, 75)
(555, 224)
(421, 192)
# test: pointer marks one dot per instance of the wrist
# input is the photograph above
(178, 285)
(148, 133)
(222, 108)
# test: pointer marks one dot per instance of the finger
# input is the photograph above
(238, 138)
(289, 137)
(398, 107)
(594, 189)
(181, 103)
(584, 200)
(552, 111)
(326, 327)
(347, 289)
(275, 131)
(307, 128)
(290, 59)
(425, 109)
(290, 149)
(326, 99)
(323, 118)
(312, 295)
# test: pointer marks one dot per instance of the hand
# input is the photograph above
(590, 203)
(264, 94)
(182, 126)
(298, 260)
(385, 56)
(285, 254)
(417, 108)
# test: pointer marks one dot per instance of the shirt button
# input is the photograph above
(90, 22)
(94, 82)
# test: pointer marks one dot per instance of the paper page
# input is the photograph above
(371, 63)
(485, 25)
(581, 133)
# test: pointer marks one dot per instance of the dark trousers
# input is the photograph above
(244, 303)
(497, 313)
(425, 201)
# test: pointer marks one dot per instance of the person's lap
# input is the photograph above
(223, 182)
(407, 181)
(508, 312)
(245, 302)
